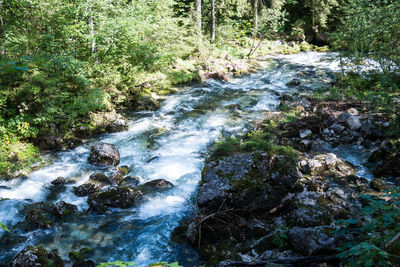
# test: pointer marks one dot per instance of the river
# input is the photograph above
(170, 143)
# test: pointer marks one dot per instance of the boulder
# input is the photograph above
(87, 188)
(286, 97)
(130, 181)
(62, 209)
(36, 256)
(59, 181)
(352, 121)
(216, 75)
(390, 166)
(155, 186)
(116, 197)
(313, 208)
(329, 164)
(104, 154)
(310, 241)
(38, 216)
(146, 102)
(305, 133)
(293, 82)
(378, 184)
(249, 181)
(109, 121)
(102, 179)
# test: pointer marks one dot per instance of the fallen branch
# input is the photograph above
(306, 260)
(394, 239)
(251, 49)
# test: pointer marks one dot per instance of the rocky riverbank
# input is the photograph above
(263, 205)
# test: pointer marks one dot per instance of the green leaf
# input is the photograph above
(2, 226)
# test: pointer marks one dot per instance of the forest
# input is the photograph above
(74, 72)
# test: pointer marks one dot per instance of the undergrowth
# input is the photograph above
(375, 234)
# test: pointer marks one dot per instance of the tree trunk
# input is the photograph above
(255, 15)
(198, 16)
(2, 28)
(91, 31)
(212, 21)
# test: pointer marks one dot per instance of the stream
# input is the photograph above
(172, 144)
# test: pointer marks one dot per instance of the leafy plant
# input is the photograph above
(116, 263)
(2, 226)
(373, 241)
(280, 238)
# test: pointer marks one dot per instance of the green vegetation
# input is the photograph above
(127, 264)
(258, 140)
(62, 60)
(2, 226)
(375, 234)
(280, 237)
(116, 263)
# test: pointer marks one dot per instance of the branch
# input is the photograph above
(308, 259)
(394, 239)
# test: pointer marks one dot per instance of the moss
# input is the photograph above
(17, 157)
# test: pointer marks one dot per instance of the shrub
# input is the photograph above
(373, 234)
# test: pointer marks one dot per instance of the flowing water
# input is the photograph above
(171, 144)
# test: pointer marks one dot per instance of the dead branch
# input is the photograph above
(394, 239)
(303, 260)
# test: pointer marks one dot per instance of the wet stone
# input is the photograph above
(36, 256)
(104, 154)
(62, 209)
(130, 181)
(59, 181)
(155, 186)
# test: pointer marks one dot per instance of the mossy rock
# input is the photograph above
(37, 256)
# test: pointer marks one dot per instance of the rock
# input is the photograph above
(293, 82)
(215, 75)
(337, 128)
(286, 97)
(104, 122)
(36, 256)
(302, 74)
(278, 254)
(329, 164)
(352, 121)
(353, 111)
(378, 184)
(123, 170)
(104, 154)
(155, 186)
(313, 208)
(88, 263)
(59, 181)
(130, 181)
(305, 103)
(370, 130)
(62, 209)
(310, 241)
(146, 102)
(116, 197)
(305, 133)
(38, 216)
(113, 179)
(390, 166)
(87, 189)
(246, 181)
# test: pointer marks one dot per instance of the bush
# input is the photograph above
(373, 234)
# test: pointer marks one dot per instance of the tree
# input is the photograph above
(212, 21)
(371, 30)
(255, 15)
(320, 10)
(198, 16)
